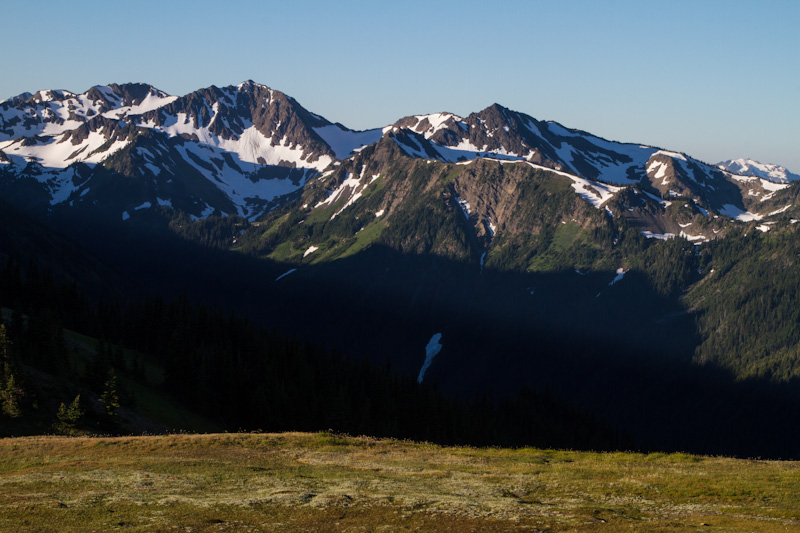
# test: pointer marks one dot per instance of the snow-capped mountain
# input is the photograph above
(750, 167)
(504, 134)
(226, 150)
(53, 112)
(239, 149)
(598, 170)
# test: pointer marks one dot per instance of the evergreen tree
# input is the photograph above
(10, 394)
(110, 397)
(10, 391)
(68, 418)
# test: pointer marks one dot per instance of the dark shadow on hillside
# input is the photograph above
(625, 354)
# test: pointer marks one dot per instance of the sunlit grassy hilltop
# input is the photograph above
(324, 482)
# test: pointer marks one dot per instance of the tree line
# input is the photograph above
(242, 375)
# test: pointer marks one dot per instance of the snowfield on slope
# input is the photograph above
(345, 142)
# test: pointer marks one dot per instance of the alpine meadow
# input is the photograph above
(222, 310)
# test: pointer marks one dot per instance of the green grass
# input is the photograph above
(274, 227)
(332, 250)
(285, 252)
(451, 176)
(365, 237)
(324, 214)
(325, 482)
(373, 187)
(566, 234)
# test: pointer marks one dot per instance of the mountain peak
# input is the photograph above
(250, 85)
(495, 110)
(51, 95)
(496, 107)
(250, 144)
(751, 167)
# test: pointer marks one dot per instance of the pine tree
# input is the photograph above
(10, 394)
(68, 418)
(10, 391)
(110, 396)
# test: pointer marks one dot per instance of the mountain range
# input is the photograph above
(485, 254)
(240, 149)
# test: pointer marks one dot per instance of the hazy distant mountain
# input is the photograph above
(750, 167)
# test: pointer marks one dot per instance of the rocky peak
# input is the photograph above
(52, 95)
(132, 94)
(16, 100)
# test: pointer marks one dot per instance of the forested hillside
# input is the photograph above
(488, 279)
(237, 375)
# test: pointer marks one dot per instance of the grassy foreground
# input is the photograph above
(324, 482)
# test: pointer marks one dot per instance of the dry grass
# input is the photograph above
(322, 482)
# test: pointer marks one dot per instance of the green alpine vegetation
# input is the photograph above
(332, 482)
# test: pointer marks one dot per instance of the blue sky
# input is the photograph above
(714, 79)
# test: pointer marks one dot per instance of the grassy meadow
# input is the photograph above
(326, 482)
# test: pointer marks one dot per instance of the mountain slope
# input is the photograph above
(250, 143)
(750, 167)
(500, 133)
(534, 255)
(255, 145)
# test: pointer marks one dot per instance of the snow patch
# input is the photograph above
(664, 203)
(152, 101)
(731, 211)
(350, 184)
(674, 155)
(660, 236)
(779, 211)
(285, 274)
(344, 142)
(693, 237)
(434, 347)
(751, 167)
(620, 274)
(660, 169)
(436, 121)
(593, 192)
(465, 208)
(491, 227)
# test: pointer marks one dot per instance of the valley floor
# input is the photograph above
(326, 482)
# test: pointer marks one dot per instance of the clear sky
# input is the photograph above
(715, 79)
